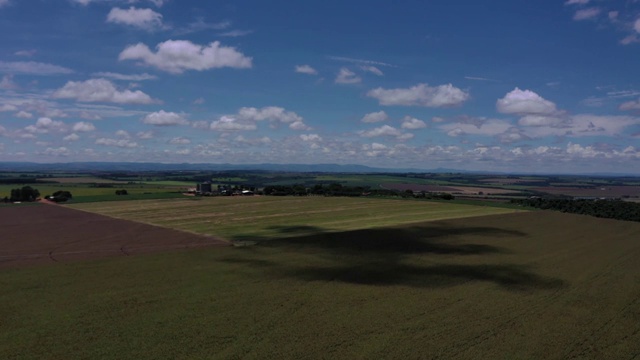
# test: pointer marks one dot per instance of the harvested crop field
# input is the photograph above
(524, 285)
(49, 233)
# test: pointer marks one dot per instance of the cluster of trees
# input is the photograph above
(336, 189)
(25, 193)
(611, 209)
(59, 196)
(122, 192)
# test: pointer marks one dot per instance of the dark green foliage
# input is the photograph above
(61, 196)
(26, 193)
(122, 192)
(611, 209)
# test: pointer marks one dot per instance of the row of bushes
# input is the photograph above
(611, 209)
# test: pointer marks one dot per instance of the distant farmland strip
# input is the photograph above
(264, 217)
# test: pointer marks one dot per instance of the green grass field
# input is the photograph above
(527, 285)
(267, 217)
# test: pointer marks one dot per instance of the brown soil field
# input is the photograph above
(466, 190)
(38, 234)
(604, 191)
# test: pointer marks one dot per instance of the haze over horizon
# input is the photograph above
(507, 85)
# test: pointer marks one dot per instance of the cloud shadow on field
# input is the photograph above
(399, 256)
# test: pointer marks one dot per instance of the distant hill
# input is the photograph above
(129, 166)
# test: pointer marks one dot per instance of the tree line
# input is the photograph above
(610, 209)
(337, 189)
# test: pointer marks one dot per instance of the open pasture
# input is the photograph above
(264, 217)
(527, 285)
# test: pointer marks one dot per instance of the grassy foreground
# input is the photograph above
(515, 286)
(267, 217)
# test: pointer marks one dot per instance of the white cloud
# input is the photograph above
(125, 77)
(100, 90)
(346, 76)
(540, 120)
(384, 130)
(411, 123)
(61, 151)
(145, 135)
(8, 107)
(71, 137)
(176, 56)
(180, 141)
(44, 124)
(421, 95)
(24, 115)
(359, 61)
(198, 101)
(26, 53)
(486, 128)
(306, 69)
(375, 117)
(311, 137)
(146, 19)
(636, 25)
(7, 83)
(227, 123)
(630, 105)
(4, 3)
(32, 68)
(372, 69)
(235, 33)
(586, 14)
(122, 143)
(579, 2)
(164, 118)
(524, 102)
(273, 114)
(123, 134)
(83, 127)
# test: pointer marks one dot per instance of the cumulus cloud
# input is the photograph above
(44, 124)
(61, 151)
(123, 134)
(32, 68)
(630, 105)
(384, 130)
(83, 127)
(125, 77)
(164, 118)
(122, 143)
(177, 56)
(228, 123)
(180, 141)
(489, 127)
(586, 14)
(7, 83)
(305, 69)
(540, 120)
(311, 137)
(100, 90)
(411, 123)
(273, 114)
(235, 33)
(421, 95)
(375, 117)
(346, 76)
(71, 137)
(26, 53)
(23, 115)
(146, 19)
(524, 102)
(8, 107)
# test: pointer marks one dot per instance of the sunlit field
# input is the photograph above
(259, 217)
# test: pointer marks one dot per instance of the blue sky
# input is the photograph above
(501, 85)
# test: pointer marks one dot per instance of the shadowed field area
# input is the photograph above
(520, 285)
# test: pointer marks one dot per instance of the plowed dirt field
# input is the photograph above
(50, 233)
